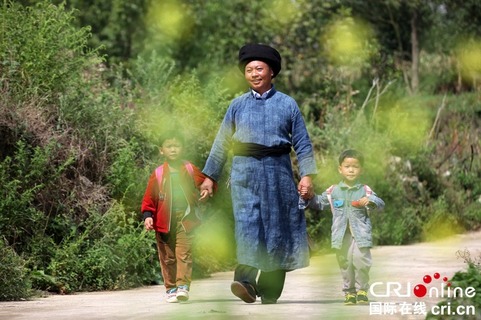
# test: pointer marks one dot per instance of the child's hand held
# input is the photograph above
(204, 195)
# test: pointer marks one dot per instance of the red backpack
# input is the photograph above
(159, 173)
(191, 221)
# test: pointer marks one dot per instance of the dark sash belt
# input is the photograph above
(259, 151)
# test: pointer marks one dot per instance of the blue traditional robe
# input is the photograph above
(270, 228)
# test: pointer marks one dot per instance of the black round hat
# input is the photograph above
(261, 52)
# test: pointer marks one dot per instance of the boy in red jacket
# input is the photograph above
(170, 208)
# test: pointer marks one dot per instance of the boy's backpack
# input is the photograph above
(367, 189)
(159, 173)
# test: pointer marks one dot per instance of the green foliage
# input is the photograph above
(116, 25)
(23, 177)
(125, 177)
(13, 275)
(152, 73)
(456, 21)
(63, 126)
(209, 41)
(42, 281)
(110, 252)
(464, 279)
(319, 230)
(183, 103)
(40, 54)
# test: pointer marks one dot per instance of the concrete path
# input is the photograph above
(310, 293)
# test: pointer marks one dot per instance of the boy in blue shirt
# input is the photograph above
(350, 202)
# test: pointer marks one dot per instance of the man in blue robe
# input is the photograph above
(261, 127)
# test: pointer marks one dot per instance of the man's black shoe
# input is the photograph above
(244, 291)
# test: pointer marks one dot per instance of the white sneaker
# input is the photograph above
(182, 293)
(171, 295)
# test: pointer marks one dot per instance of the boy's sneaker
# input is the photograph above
(362, 297)
(171, 295)
(350, 299)
(183, 293)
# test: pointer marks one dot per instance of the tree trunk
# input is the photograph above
(414, 54)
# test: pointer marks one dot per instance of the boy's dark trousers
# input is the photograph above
(269, 286)
(175, 254)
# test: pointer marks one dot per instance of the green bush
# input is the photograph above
(24, 177)
(110, 252)
(13, 275)
(125, 176)
(41, 53)
(464, 279)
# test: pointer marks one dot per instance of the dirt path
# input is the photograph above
(310, 293)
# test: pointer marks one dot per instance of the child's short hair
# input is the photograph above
(351, 153)
(171, 134)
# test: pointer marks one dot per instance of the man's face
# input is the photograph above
(259, 76)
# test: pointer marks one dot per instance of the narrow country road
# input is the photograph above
(310, 293)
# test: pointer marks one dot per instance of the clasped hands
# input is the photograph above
(206, 189)
(306, 188)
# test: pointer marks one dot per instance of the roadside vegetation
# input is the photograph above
(86, 88)
(465, 305)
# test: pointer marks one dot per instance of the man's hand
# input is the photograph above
(306, 188)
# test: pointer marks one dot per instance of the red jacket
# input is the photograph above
(160, 205)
